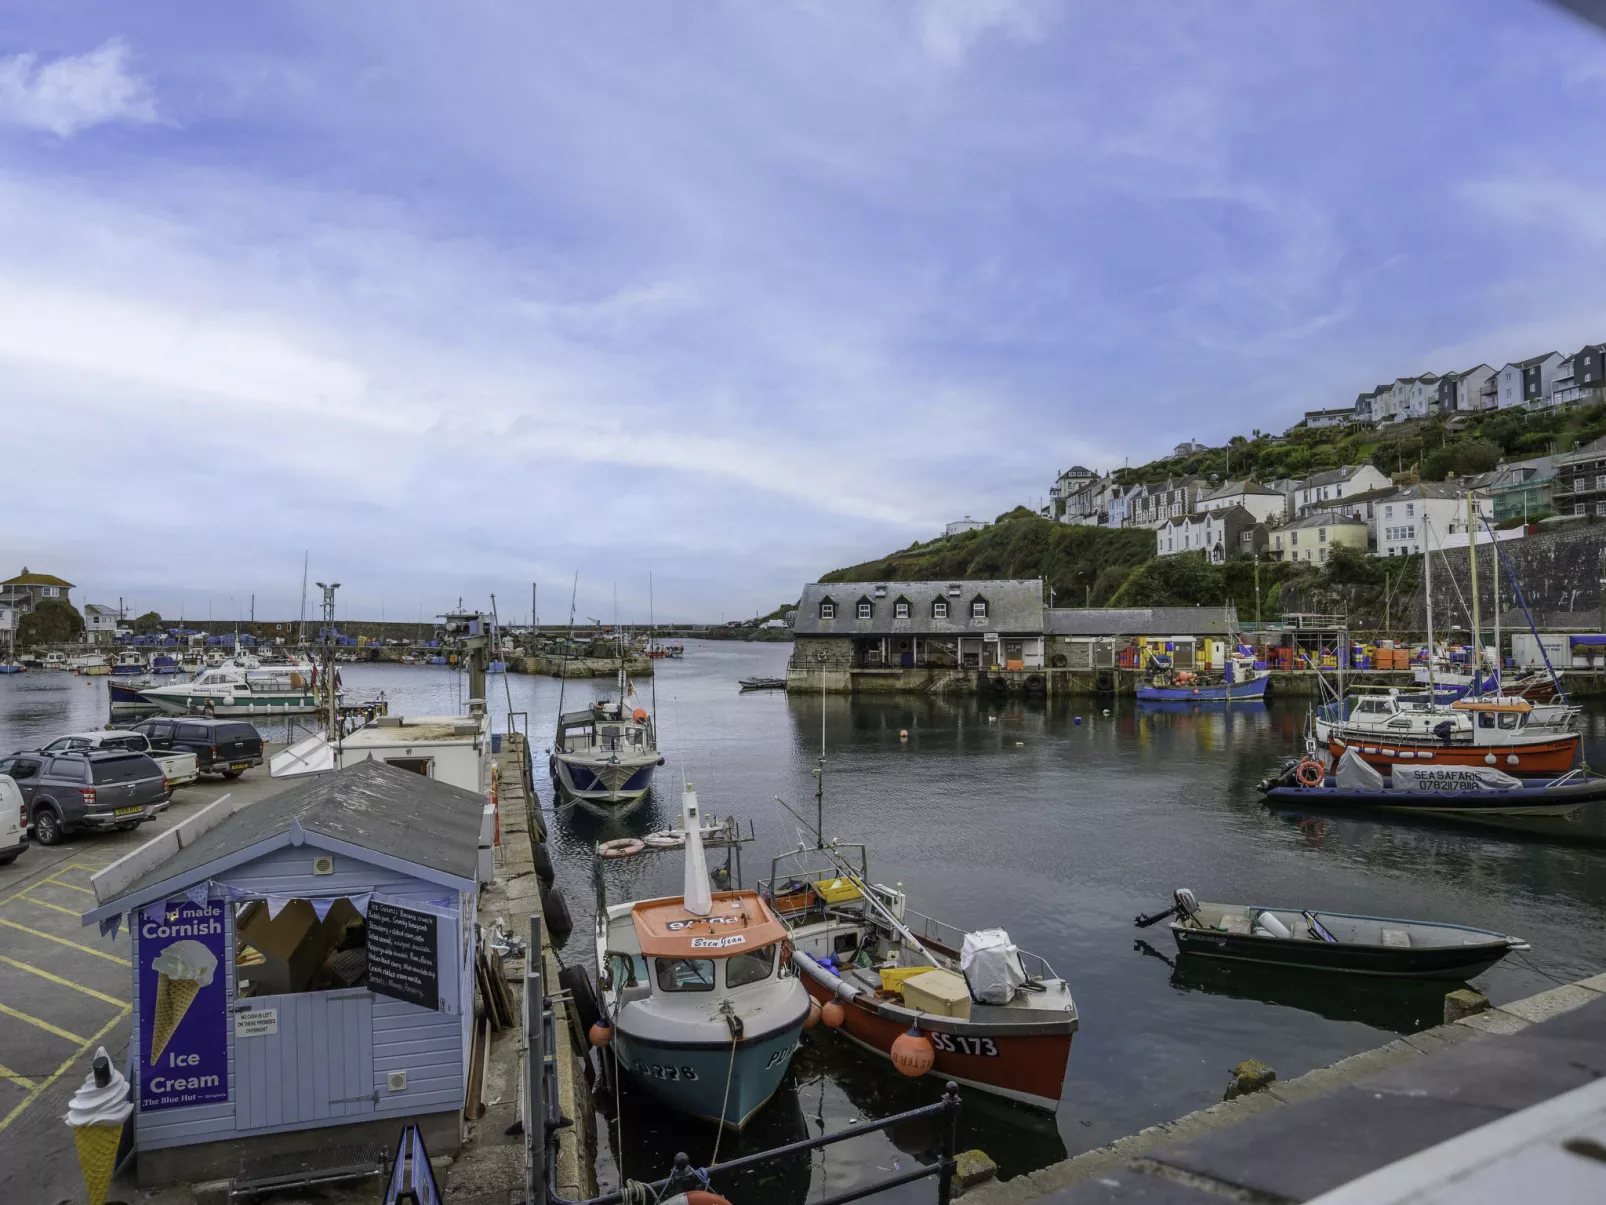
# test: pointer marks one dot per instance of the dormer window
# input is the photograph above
(900, 609)
(978, 608)
(866, 608)
(827, 609)
(939, 609)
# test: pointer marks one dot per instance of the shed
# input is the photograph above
(299, 963)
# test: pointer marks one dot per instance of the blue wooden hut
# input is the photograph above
(302, 963)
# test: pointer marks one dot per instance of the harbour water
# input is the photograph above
(1012, 813)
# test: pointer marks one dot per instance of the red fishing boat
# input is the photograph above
(1470, 732)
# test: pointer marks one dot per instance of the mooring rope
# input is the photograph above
(724, 1104)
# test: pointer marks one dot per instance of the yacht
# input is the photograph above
(242, 688)
(608, 752)
(705, 1008)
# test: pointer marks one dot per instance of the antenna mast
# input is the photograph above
(302, 639)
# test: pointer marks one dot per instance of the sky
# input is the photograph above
(691, 303)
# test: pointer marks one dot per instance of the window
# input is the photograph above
(51, 592)
(866, 608)
(1410, 510)
(750, 967)
(900, 609)
(685, 974)
(1600, 508)
(1388, 512)
(1294, 539)
(1321, 535)
(939, 609)
(1600, 481)
(978, 609)
(1323, 556)
(828, 610)
(297, 952)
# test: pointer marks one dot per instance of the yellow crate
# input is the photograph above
(892, 977)
(837, 891)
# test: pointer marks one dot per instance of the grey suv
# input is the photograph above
(67, 792)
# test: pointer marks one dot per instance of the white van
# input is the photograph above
(13, 821)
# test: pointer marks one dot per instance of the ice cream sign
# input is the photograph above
(183, 1006)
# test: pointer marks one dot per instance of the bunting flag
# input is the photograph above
(109, 926)
(277, 904)
(360, 902)
(199, 894)
(322, 904)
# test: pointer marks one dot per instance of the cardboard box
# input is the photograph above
(291, 945)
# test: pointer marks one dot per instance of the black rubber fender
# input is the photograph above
(541, 853)
(576, 983)
(555, 910)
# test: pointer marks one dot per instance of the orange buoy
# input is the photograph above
(696, 1197)
(912, 1053)
(903, 734)
(601, 1033)
(813, 1018)
(639, 715)
(833, 1014)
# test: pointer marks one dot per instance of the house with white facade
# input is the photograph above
(1115, 516)
(963, 525)
(1089, 505)
(1421, 516)
(1315, 420)
(100, 623)
(1068, 483)
(1217, 533)
(1312, 538)
(1463, 392)
(1361, 506)
(1332, 485)
(1378, 402)
(1164, 500)
(1262, 501)
(1527, 382)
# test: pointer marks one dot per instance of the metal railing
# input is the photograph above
(544, 1122)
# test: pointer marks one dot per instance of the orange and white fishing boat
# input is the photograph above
(1470, 732)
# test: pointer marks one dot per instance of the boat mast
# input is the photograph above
(1477, 627)
(652, 644)
(1494, 581)
(1427, 568)
(302, 638)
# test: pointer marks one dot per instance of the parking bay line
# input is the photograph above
(63, 941)
(44, 1025)
(63, 1069)
(55, 882)
(28, 899)
(22, 1081)
(77, 987)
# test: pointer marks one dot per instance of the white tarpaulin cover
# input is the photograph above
(1453, 778)
(312, 755)
(992, 966)
(1353, 774)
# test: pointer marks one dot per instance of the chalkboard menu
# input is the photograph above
(402, 954)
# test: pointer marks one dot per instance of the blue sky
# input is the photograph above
(461, 297)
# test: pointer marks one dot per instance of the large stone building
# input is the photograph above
(27, 590)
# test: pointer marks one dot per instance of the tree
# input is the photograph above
(147, 623)
(51, 622)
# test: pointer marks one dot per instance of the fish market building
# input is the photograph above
(301, 963)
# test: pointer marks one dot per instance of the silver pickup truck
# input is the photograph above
(178, 768)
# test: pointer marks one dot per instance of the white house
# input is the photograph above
(1115, 516)
(100, 623)
(1262, 501)
(1332, 485)
(1420, 516)
(1166, 500)
(961, 525)
(1216, 533)
(1315, 420)
(1424, 396)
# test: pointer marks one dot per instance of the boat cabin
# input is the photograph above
(1494, 720)
(657, 948)
(604, 729)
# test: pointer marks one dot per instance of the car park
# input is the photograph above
(13, 821)
(221, 746)
(178, 767)
(91, 791)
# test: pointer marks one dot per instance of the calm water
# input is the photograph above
(1013, 814)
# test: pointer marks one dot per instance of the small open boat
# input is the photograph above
(762, 683)
(1332, 941)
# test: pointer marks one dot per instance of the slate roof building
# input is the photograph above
(324, 940)
(28, 589)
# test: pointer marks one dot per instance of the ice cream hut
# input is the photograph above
(303, 971)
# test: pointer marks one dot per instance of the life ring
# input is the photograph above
(620, 847)
(668, 839)
(1310, 772)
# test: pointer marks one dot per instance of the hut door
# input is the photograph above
(312, 1061)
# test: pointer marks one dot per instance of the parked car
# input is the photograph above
(179, 768)
(94, 791)
(13, 821)
(221, 746)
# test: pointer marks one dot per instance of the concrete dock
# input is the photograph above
(1294, 1141)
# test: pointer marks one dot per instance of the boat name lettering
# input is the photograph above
(661, 1071)
(718, 943)
(958, 1044)
(780, 1056)
(675, 926)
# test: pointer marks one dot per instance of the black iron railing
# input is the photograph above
(543, 1122)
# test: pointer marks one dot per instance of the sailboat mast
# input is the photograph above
(1427, 568)
(1477, 626)
(652, 644)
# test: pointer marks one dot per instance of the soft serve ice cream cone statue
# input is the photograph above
(97, 1113)
(182, 969)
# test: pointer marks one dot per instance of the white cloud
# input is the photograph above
(74, 92)
(949, 28)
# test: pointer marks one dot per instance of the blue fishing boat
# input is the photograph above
(1240, 682)
(163, 664)
(699, 1003)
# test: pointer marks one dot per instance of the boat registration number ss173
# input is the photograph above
(663, 1071)
(958, 1044)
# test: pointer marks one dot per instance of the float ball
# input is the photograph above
(833, 1014)
(913, 1053)
(1077, 721)
(601, 1034)
(813, 1018)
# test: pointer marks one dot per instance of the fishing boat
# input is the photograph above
(129, 662)
(1240, 682)
(1471, 732)
(761, 683)
(608, 752)
(997, 1018)
(163, 665)
(243, 689)
(1332, 941)
(699, 1003)
(54, 661)
(1430, 789)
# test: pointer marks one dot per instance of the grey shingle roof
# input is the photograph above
(1321, 518)
(371, 805)
(1330, 476)
(1012, 606)
(1138, 621)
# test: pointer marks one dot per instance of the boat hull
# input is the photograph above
(183, 702)
(1026, 1068)
(691, 1077)
(604, 782)
(1240, 692)
(1448, 962)
(1543, 800)
(1554, 756)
